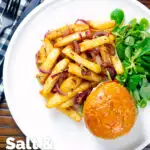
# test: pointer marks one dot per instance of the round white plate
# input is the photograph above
(22, 89)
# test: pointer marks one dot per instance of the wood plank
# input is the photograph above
(3, 138)
(5, 112)
(2, 146)
(3, 105)
(7, 121)
(10, 131)
(145, 2)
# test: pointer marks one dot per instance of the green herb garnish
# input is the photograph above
(133, 48)
(118, 16)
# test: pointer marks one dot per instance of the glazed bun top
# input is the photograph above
(109, 111)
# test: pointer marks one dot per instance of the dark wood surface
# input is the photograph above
(8, 126)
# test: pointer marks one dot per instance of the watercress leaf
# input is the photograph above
(133, 22)
(126, 63)
(143, 63)
(144, 35)
(117, 15)
(136, 34)
(146, 44)
(142, 103)
(143, 48)
(138, 44)
(144, 24)
(137, 27)
(145, 91)
(121, 79)
(119, 40)
(116, 29)
(136, 94)
(129, 41)
(121, 51)
(123, 30)
(146, 58)
(128, 52)
(134, 81)
(144, 81)
(139, 69)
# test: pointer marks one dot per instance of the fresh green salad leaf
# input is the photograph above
(134, 81)
(121, 50)
(118, 16)
(128, 52)
(144, 24)
(142, 103)
(136, 95)
(129, 41)
(145, 92)
(133, 48)
(133, 22)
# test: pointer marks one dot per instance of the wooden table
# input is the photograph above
(8, 126)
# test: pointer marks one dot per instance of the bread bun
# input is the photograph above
(109, 111)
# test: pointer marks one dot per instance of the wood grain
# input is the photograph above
(8, 127)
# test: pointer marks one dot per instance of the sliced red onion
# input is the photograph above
(100, 33)
(76, 46)
(110, 49)
(98, 60)
(60, 73)
(112, 72)
(59, 91)
(80, 36)
(45, 72)
(81, 97)
(76, 106)
(88, 34)
(47, 33)
(96, 51)
(37, 57)
(82, 20)
(54, 90)
(85, 72)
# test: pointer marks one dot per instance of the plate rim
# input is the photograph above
(14, 37)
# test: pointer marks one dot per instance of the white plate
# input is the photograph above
(22, 89)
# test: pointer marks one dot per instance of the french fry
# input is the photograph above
(102, 26)
(77, 70)
(48, 46)
(84, 56)
(105, 55)
(71, 114)
(67, 104)
(112, 39)
(70, 84)
(41, 77)
(47, 65)
(67, 28)
(117, 64)
(40, 56)
(68, 51)
(50, 82)
(90, 44)
(70, 38)
(50, 60)
(58, 99)
(48, 96)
